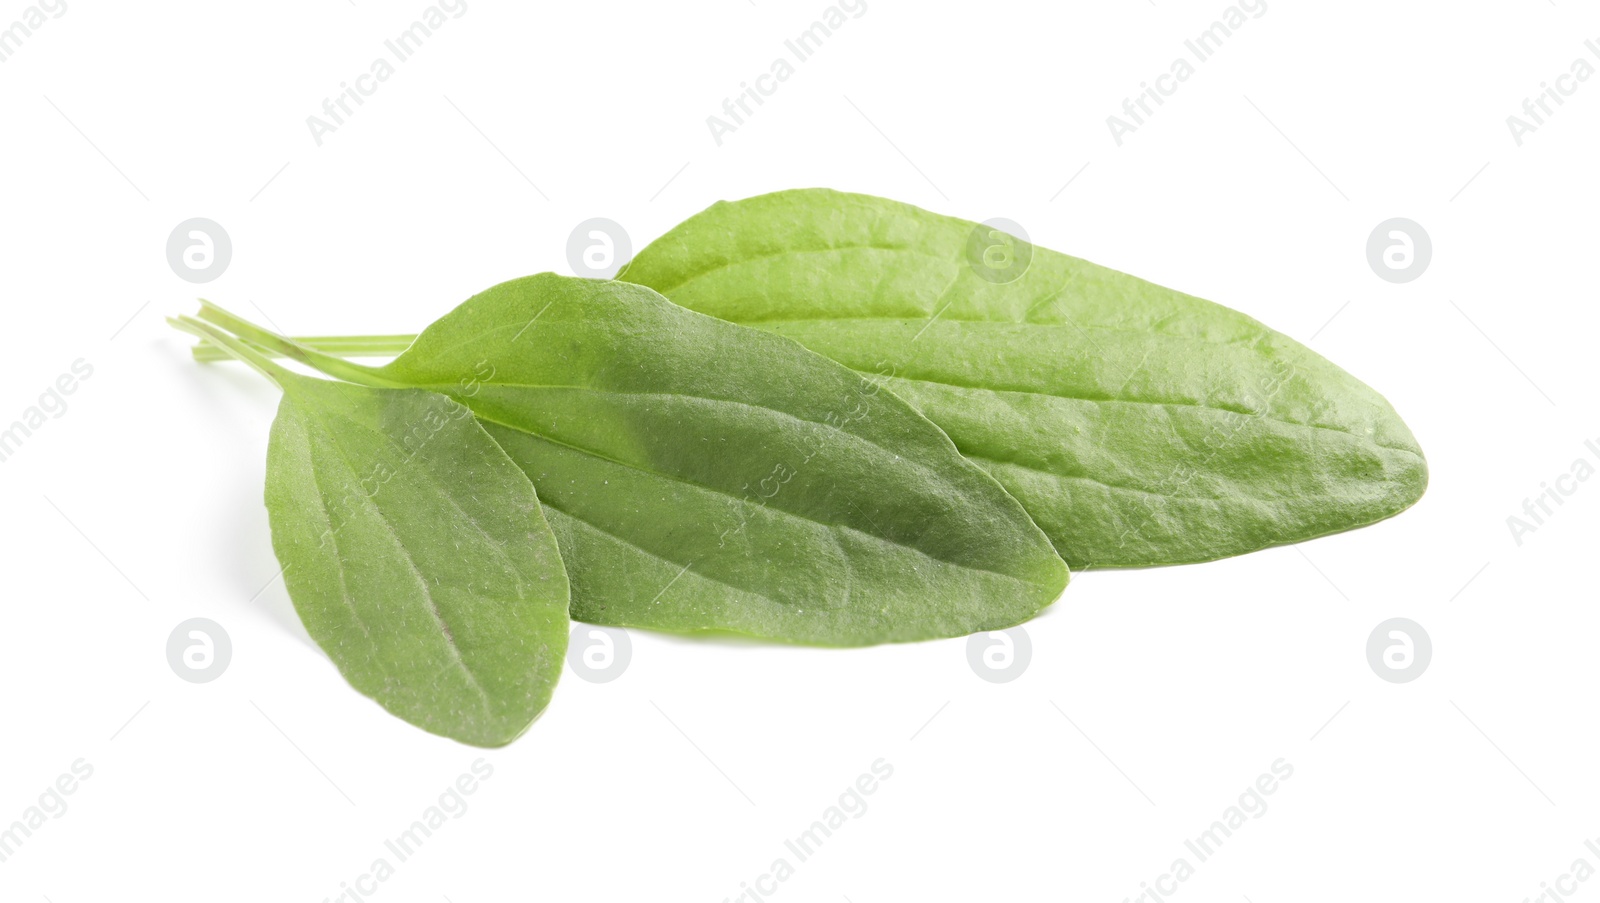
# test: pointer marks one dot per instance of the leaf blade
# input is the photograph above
(707, 477)
(1138, 425)
(417, 557)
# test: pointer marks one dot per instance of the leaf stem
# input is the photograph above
(330, 364)
(233, 348)
(339, 346)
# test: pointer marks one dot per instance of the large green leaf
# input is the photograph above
(703, 476)
(1138, 425)
(417, 556)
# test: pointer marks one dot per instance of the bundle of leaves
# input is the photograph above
(807, 417)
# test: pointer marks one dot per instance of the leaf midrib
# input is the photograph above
(740, 499)
(427, 594)
(1164, 404)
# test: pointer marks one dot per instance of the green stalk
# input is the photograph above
(338, 346)
(282, 346)
(232, 347)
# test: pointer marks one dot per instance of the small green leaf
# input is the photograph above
(417, 556)
(1138, 425)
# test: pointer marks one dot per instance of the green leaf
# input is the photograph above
(1138, 425)
(415, 553)
(700, 476)
(417, 556)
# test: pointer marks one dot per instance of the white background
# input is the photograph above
(1152, 700)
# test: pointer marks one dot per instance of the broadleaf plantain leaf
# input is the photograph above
(417, 556)
(701, 476)
(1138, 425)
